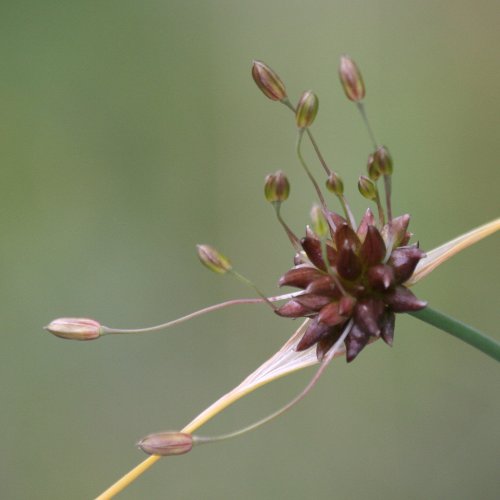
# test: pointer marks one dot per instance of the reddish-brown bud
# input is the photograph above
(403, 300)
(213, 259)
(404, 260)
(75, 328)
(330, 314)
(387, 327)
(348, 263)
(268, 81)
(346, 235)
(292, 309)
(383, 160)
(381, 277)
(166, 443)
(300, 276)
(373, 247)
(315, 332)
(313, 301)
(355, 342)
(307, 109)
(367, 314)
(351, 79)
(368, 219)
(276, 187)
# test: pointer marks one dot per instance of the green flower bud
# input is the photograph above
(268, 81)
(367, 188)
(373, 168)
(334, 184)
(166, 443)
(212, 259)
(351, 79)
(320, 226)
(383, 160)
(75, 328)
(276, 187)
(307, 109)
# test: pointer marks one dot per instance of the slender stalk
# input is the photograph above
(322, 367)
(291, 236)
(247, 282)
(362, 110)
(216, 307)
(308, 172)
(387, 187)
(464, 332)
(327, 169)
(381, 216)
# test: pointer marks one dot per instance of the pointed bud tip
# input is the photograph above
(75, 328)
(166, 443)
(268, 81)
(213, 260)
(351, 79)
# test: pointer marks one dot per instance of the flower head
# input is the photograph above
(355, 274)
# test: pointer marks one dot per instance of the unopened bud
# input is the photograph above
(320, 226)
(373, 169)
(351, 79)
(75, 328)
(367, 188)
(383, 160)
(307, 109)
(334, 184)
(166, 443)
(276, 187)
(213, 259)
(268, 81)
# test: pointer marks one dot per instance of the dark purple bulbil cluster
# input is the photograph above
(363, 280)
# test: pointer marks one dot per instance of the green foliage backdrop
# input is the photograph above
(129, 132)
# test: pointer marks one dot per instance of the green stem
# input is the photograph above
(464, 332)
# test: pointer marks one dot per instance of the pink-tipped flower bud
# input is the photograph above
(307, 109)
(213, 259)
(383, 160)
(351, 79)
(276, 187)
(319, 224)
(373, 168)
(367, 188)
(75, 328)
(268, 81)
(334, 184)
(166, 443)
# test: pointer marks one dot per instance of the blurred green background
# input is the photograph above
(130, 131)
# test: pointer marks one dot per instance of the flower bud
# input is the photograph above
(334, 184)
(166, 443)
(212, 259)
(75, 328)
(367, 188)
(383, 160)
(351, 79)
(268, 81)
(277, 187)
(320, 226)
(372, 168)
(307, 109)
